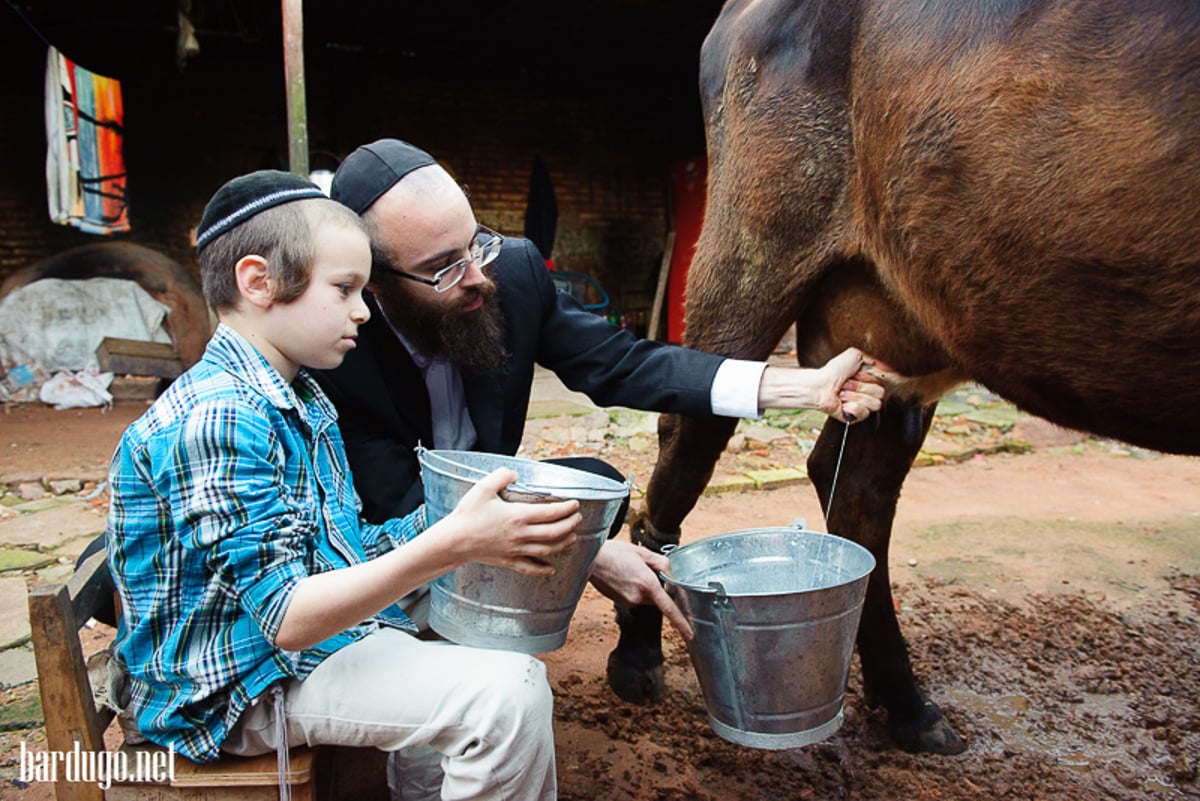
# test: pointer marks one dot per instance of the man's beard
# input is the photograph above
(474, 341)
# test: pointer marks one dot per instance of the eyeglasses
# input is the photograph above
(483, 250)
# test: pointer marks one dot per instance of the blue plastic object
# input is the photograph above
(576, 284)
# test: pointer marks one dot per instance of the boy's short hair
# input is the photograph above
(270, 214)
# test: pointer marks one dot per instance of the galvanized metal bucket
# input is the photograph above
(493, 607)
(776, 612)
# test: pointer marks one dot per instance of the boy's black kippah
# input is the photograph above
(247, 195)
(373, 169)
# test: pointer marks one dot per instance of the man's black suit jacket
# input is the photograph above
(383, 406)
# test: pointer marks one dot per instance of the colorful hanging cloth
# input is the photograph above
(85, 167)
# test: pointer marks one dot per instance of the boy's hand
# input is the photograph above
(518, 536)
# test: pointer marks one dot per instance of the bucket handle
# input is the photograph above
(713, 588)
(517, 486)
(735, 663)
(664, 578)
(667, 578)
(732, 660)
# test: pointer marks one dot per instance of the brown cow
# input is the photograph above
(1004, 191)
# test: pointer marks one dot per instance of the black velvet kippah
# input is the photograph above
(373, 169)
(247, 195)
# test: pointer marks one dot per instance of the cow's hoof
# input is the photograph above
(931, 734)
(633, 682)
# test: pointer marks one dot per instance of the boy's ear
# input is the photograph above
(254, 281)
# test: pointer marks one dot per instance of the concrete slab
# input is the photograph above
(548, 397)
(49, 528)
(30, 490)
(59, 573)
(949, 407)
(20, 559)
(65, 486)
(17, 667)
(627, 422)
(556, 434)
(14, 612)
(729, 484)
(40, 504)
(1044, 434)
(1001, 417)
(774, 479)
(643, 442)
(952, 450)
(72, 548)
(764, 435)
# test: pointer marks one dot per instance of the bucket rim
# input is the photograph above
(717, 590)
(616, 490)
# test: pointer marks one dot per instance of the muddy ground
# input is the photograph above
(1064, 650)
(1051, 599)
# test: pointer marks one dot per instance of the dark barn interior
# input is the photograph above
(602, 91)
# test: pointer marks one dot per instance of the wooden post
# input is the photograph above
(293, 69)
(660, 292)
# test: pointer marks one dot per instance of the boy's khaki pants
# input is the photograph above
(488, 713)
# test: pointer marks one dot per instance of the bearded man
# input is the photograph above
(460, 315)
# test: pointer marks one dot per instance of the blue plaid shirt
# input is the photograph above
(227, 492)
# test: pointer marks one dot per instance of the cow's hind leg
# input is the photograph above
(688, 451)
(878, 456)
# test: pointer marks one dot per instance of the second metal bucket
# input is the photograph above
(776, 612)
(493, 607)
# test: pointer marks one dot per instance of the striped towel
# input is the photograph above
(85, 168)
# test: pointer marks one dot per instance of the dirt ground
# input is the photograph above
(1051, 600)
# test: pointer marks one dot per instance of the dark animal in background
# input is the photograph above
(1004, 191)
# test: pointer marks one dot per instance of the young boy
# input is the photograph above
(258, 610)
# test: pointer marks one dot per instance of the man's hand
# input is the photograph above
(628, 574)
(849, 387)
(853, 385)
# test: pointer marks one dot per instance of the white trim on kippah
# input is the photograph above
(248, 210)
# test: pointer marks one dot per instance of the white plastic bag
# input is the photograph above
(59, 323)
(88, 387)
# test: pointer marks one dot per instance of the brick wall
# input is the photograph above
(188, 131)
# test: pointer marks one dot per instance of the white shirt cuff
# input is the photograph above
(735, 388)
